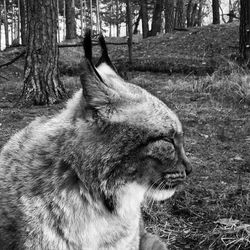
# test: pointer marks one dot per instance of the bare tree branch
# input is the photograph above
(64, 45)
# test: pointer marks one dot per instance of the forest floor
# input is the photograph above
(211, 210)
(195, 51)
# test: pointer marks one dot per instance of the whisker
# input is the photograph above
(155, 190)
(150, 189)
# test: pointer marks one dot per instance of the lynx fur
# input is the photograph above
(77, 180)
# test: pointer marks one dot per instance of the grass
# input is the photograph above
(211, 211)
(233, 88)
(199, 50)
(215, 113)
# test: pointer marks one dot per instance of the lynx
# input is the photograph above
(77, 180)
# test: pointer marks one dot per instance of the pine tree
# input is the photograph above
(41, 77)
(216, 11)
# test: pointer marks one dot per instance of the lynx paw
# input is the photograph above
(151, 242)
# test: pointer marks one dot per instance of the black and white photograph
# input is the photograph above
(124, 125)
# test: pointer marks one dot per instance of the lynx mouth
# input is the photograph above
(170, 181)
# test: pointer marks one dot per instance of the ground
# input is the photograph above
(211, 210)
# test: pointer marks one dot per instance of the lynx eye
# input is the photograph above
(170, 154)
(153, 160)
(160, 151)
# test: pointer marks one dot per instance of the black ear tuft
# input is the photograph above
(104, 57)
(87, 45)
(103, 47)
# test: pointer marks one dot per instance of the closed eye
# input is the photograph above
(154, 159)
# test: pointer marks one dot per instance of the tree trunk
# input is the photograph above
(98, 27)
(18, 22)
(23, 14)
(129, 28)
(137, 23)
(111, 14)
(144, 17)
(216, 11)
(91, 14)
(117, 18)
(194, 15)
(58, 23)
(12, 37)
(188, 12)
(85, 13)
(199, 15)
(41, 77)
(6, 28)
(81, 11)
(169, 16)
(231, 16)
(64, 19)
(0, 29)
(70, 19)
(179, 16)
(117, 30)
(156, 20)
(244, 31)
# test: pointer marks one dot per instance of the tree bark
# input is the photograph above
(58, 23)
(199, 15)
(188, 12)
(85, 13)
(41, 77)
(64, 19)
(0, 29)
(117, 18)
(179, 16)
(137, 23)
(98, 27)
(6, 27)
(91, 14)
(156, 20)
(244, 41)
(70, 19)
(12, 36)
(23, 14)
(18, 22)
(194, 14)
(144, 17)
(129, 27)
(216, 11)
(169, 16)
(81, 11)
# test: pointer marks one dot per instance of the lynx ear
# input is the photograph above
(96, 93)
(104, 57)
(87, 46)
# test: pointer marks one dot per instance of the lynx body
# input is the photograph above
(77, 180)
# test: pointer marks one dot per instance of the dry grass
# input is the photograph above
(211, 211)
(215, 113)
(233, 87)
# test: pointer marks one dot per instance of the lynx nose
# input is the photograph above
(185, 161)
(188, 167)
(182, 155)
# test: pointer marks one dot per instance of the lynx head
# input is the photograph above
(132, 137)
